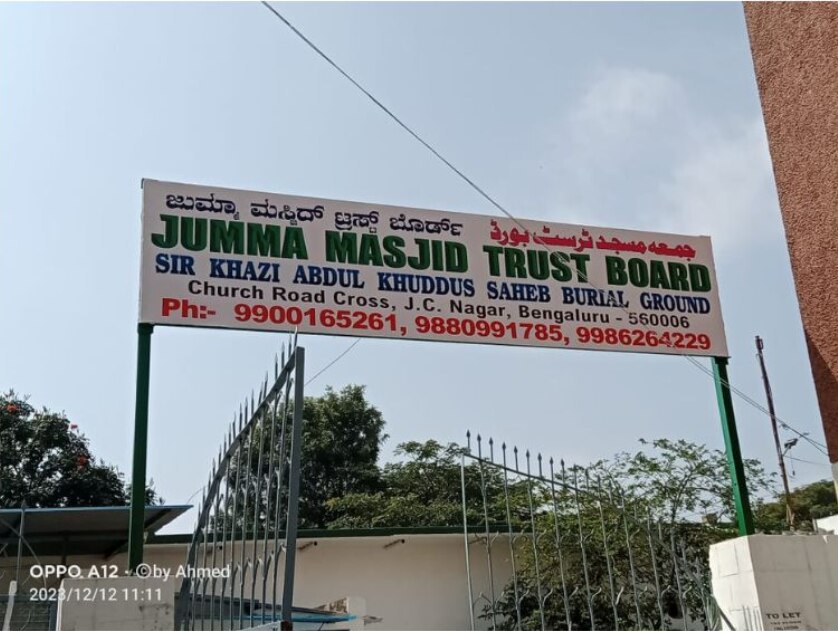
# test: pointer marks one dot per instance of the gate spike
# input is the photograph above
(491, 449)
(540, 474)
(479, 446)
(276, 367)
(468, 440)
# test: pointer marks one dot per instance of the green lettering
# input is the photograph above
(515, 263)
(561, 271)
(263, 240)
(494, 253)
(294, 244)
(394, 257)
(341, 247)
(700, 277)
(226, 236)
(193, 233)
(423, 261)
(638, 272)
(537, 264)
(456, 256)
(169, 237)
(370, 251)
(657, 275)
(615, 270)
(581, 261)
(678, 276)
(438, 262)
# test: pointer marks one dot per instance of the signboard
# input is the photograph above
(214, 257)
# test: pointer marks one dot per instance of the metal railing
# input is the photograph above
(584, 554)
(247, 523)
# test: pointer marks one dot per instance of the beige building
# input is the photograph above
(403, 578)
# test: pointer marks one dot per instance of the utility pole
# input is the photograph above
(780, 458)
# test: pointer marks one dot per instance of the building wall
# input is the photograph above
(795, 52)
(416, 582)
(777, 582)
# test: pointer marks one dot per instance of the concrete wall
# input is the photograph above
(777, 582)
(409, 581)
(123, 603)
(795, 52)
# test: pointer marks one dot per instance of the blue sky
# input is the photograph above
(627, 115)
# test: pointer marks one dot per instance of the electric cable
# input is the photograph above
(820, 446)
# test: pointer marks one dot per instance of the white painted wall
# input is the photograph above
(126, 604)
(827, 525)
(777, 582)
(419, 583)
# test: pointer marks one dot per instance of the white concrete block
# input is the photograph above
(790, 582)
(116, 604)
(827, 525)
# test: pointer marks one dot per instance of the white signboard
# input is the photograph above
(214, 257)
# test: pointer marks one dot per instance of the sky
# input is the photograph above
(640, 116)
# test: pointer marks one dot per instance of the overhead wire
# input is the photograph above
(819, 446)
(334, 361)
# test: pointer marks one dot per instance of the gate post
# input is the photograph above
(744, 518)
(138, 472)
(293, 490)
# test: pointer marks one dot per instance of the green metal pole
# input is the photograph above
(744, 518)
(137, 525)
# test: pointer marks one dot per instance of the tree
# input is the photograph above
(641, 518)
(46, 461)
(654, 511)
(684, 481)
(424, 489)
(810, 501)
(342, 437)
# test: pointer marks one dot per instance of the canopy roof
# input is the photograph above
(94, 530)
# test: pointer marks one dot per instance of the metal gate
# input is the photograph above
(583, 553)
(247, 525)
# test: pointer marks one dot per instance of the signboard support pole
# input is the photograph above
(137, 523)
(744, 518)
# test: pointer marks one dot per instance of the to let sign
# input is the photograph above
(214, 257)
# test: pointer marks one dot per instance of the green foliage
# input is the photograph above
(46, 461)
(810, 501)
(423, 489)
(342, 437)
(680, 480)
